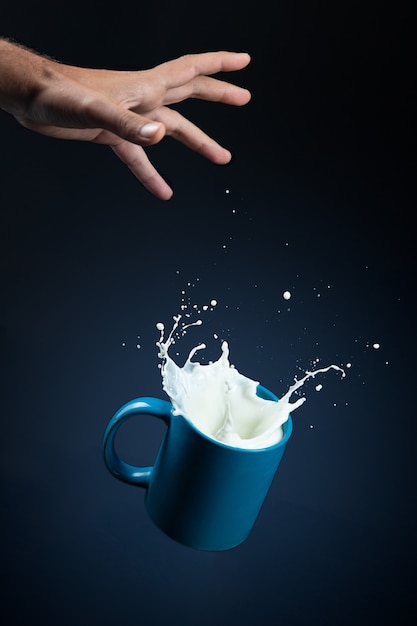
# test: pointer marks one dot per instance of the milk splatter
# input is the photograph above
(221, 402)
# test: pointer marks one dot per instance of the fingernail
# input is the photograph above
(149, 129)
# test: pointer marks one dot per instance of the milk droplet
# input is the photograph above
(213, 302)
(160, 326)
(319, 387)
(286, 295)
(348, 364)
(376, 346)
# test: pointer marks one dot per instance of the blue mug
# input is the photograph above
(200, 492)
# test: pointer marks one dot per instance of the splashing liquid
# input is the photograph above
(221, 402)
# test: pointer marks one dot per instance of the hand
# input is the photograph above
(129, 110)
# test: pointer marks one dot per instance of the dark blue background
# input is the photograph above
(320, 203)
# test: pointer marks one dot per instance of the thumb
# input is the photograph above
(126, 124)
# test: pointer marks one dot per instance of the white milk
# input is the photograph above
(221, 402)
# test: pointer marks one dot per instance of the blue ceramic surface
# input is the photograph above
(200, 492)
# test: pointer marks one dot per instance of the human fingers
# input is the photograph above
(209, 89)
(135, 158)
(185, 68)
(181, 129)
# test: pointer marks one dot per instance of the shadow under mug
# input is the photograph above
(200, 492)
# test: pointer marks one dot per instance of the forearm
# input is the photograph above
(23, 74)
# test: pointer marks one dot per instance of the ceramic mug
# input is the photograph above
(200, 492)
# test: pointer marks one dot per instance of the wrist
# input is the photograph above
(23, 74)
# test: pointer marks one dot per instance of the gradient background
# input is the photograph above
(320, 202)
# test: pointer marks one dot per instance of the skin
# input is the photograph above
(126, 110)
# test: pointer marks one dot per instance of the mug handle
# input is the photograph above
(140, 406)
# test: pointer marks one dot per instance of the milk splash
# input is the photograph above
(221, 402)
